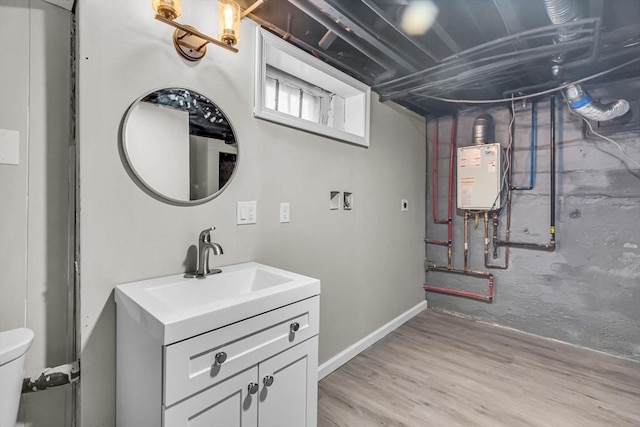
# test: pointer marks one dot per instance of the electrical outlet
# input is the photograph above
(404, 205)
(284, 213)
(247, 213)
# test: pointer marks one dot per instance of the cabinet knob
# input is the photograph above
(253, 388)
(220, 358)
(268, 380)
(294, 327)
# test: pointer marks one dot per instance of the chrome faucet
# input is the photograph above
(205, 247)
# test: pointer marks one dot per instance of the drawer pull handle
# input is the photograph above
(221, 357)
(268, 380)
(294, 327)
(253, 388)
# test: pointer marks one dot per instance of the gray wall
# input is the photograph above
(34, 212)
(369, 260)
(587, 292)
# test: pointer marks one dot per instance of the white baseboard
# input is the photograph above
(352, 351)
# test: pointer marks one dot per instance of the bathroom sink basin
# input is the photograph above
(187, 293)
(174, 308)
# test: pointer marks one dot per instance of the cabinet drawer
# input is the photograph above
(190, 365)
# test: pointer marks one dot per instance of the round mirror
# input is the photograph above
(179, 146)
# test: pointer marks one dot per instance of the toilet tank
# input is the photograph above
(13, 346)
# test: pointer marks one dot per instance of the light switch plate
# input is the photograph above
(9, 147)
(404, 205)
(247, 213)
(285, 213)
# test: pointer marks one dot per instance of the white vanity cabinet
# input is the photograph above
(258, 371)
(246, 400)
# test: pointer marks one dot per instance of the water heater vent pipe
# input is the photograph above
(483, 130)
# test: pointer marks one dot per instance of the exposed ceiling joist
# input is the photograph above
(378, 52)
(371, 5)
(446, 38)
(475, 50)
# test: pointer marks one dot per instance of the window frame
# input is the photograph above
(305, 88)
(291, 60)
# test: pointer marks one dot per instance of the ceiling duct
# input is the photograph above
(582, 103)
(562, 12)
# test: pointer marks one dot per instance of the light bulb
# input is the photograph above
(170, 9)
(229, 21)
(419, 17)
(228, 17)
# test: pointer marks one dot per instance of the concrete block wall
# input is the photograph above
(587, 292)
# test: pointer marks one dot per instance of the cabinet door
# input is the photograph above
(289, 387)
(230, 403)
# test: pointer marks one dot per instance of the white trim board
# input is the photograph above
(352, 351)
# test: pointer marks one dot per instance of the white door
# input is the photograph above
(289, 387)
(231, 403)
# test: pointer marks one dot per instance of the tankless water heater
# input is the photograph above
(479, 177)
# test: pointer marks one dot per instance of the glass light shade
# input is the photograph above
(170, 9)
(229, 21)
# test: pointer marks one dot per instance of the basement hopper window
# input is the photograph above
(297, 90)
(290, 95)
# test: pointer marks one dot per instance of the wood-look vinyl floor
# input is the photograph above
(441, 370)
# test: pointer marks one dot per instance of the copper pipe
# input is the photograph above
(452, 146)
(494, 217)
(466, 240)
(552, 171)
(459, 293)
(472, 273)
(486, 238)
(486, 245)
(434, 182)
(434, 192)
(532, 156)
(449, 242)
(437, 242)
(434, 179)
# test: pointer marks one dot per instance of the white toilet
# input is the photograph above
(13, 346)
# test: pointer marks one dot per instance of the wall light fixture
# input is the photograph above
(190, 43)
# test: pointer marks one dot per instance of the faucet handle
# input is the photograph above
(205, 235)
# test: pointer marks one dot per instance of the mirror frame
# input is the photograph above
(139, 180)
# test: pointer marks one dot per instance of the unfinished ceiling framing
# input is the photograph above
(474, 50)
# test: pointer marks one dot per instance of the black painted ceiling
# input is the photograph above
(475, 50)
